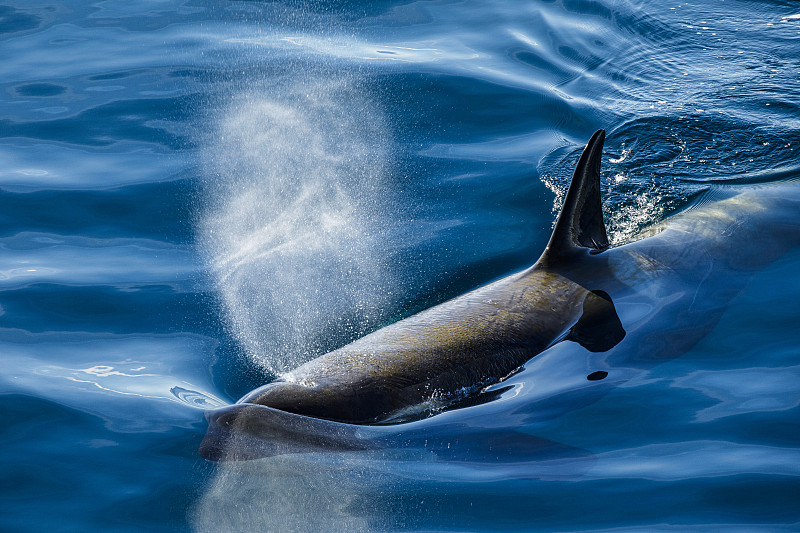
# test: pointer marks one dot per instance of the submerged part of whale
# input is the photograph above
(661, 294)
(247, 431)
(243, 432)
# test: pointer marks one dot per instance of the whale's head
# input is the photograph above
(342, 403)
(246, 431)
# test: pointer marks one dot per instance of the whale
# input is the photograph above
(635, 304)
(472, 340)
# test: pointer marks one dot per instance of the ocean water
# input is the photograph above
(196, 196)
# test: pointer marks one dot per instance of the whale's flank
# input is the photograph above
(471, 341)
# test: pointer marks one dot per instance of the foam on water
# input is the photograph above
(632, 201)
(296, 196)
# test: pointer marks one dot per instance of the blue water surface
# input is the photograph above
(196, 196)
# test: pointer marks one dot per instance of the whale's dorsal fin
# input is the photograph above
(580, 224)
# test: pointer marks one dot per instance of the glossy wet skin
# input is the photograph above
(457, 346)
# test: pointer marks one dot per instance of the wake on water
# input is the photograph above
(296, 196)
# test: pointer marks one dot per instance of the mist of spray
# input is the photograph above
(296, 196)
